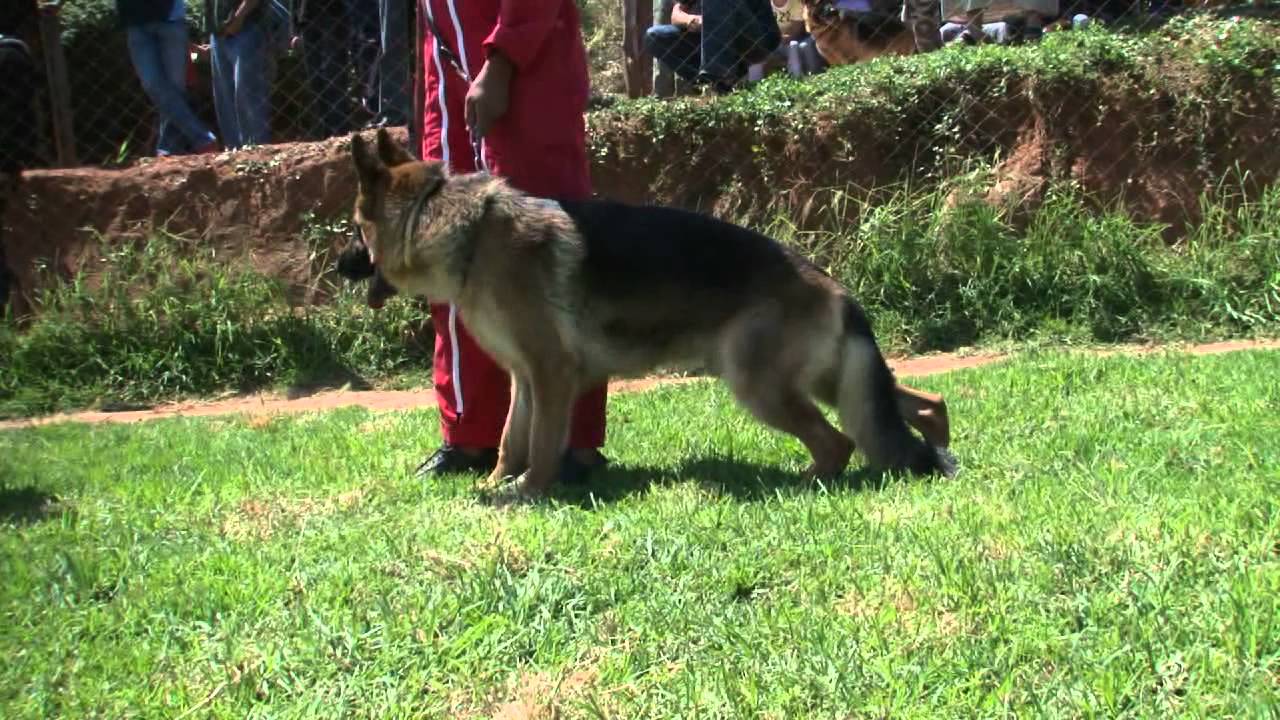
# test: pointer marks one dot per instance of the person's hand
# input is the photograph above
(234, 25)
(295, 43)
(682, 18)
(489, 94)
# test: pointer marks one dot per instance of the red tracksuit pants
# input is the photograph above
(474, 394)
(472, 391)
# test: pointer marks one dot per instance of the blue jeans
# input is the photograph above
(393, 66)
(734, 35)
(676, 48)
(158, 51)
(242, 86)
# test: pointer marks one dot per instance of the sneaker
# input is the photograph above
(450, 459)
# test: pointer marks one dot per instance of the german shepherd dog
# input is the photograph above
(567, 294)
(845, 38)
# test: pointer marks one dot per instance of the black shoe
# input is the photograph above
(449, 459)
(575, 472)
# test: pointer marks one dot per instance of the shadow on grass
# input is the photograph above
(26, 505)
(744, 481)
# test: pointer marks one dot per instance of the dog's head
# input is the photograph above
(822, 12)
(387, 182)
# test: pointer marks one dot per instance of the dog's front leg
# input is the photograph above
(513, 450)
(553, 394)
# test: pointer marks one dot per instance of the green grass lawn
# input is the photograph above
(1110, 548)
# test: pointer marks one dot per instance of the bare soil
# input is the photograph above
(260, 205)
(268, 404)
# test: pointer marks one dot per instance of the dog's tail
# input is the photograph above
(868, 406)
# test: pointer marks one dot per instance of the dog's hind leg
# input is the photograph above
(787, 409)
(513, 450)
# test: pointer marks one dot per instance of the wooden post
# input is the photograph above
(636, 19)
(55, 65)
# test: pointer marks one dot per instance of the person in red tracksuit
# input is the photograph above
(525, 104)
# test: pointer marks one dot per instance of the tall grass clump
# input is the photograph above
(939, 274)
(167, 319)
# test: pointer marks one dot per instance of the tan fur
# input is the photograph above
(512, 265)
(838, 42)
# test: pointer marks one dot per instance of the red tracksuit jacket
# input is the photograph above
(539, 145)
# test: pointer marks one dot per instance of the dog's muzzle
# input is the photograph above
(354, 265)
(379, 291)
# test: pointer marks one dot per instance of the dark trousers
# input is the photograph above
(734, 35)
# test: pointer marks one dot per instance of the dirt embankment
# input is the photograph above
(1115, 143)
(255, 203)
(1115, 140)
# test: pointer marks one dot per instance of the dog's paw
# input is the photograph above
(510, 495)
(497, 480)
(508, 491)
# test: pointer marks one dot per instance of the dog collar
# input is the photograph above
(409, 217)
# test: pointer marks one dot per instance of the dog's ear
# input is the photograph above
(390, 151)
(368, 167)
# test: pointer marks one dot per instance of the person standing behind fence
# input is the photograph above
(526, 105)
(393, 65)
(325, 36)
(239, 55)
(156, 32)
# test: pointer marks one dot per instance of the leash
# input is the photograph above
(443, 48)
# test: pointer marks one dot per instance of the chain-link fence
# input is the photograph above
(116, 80)
(111, 81)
